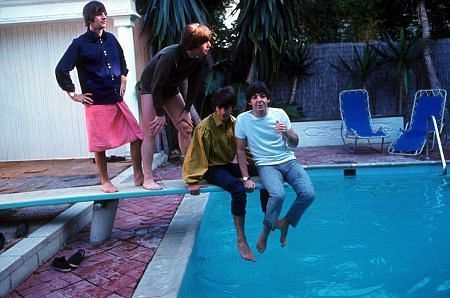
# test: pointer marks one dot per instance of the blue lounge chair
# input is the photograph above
(356, 119)
(412, 139)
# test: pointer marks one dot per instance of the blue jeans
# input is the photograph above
(228, 177)
(272, 178)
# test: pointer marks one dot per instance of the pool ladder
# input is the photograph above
(438, 138)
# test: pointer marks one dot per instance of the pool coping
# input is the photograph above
(376, 164)
(163, 277)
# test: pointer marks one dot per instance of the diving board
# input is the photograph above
(93, 193)
(103, 215)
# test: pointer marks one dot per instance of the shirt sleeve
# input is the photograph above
(239, 132)
(194, 82)
(196, 161)
(160, 76)
(123, 62)
(65, 66)
(287, 121)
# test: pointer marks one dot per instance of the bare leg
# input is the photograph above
(244, 249)
(262, 241)
(174, 108)
(148, 144)
(283, 225)
(100, 160)
(184, 138)
(135, 150)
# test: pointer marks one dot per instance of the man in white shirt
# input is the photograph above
(269, 135)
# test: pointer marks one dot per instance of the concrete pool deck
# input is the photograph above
(126, 264)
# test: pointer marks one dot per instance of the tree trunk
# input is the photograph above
(251, 73)
(400, 96)
(434, 81)
(294, 89)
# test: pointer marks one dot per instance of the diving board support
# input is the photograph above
(103, 215)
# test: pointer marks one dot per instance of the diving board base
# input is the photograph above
(103, 215)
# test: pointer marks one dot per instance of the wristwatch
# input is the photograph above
(245, 178)
(72, 94)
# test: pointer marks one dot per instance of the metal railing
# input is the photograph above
(438, 139)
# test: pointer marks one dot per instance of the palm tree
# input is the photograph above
(165, 19)
(263, 27)
(400, 55)
(296, 62)
(360, 68)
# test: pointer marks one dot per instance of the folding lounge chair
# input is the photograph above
(356, 119)
(412, 139)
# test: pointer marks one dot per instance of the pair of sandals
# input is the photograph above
(63, 265)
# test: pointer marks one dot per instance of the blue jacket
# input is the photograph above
(99, 62)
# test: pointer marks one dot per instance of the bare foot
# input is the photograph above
(283, 225)
(138, 179)
(244, 251)
(262, 241)
(108, 187)
(151, 185)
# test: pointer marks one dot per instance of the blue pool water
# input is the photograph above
(383, 233)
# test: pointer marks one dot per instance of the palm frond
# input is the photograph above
(165, 19)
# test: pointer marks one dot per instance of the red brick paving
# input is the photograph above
(114, 268)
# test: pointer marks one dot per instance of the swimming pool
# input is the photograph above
(381, 233)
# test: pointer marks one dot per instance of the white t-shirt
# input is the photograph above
(268, 147)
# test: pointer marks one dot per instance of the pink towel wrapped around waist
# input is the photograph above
(110, 126)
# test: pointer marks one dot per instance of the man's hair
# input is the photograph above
(224, 97)
(90, 10)
(256, 87)
(194, 35)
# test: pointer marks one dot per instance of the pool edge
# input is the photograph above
(164, 274)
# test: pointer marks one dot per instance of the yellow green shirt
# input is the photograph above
(212, 144)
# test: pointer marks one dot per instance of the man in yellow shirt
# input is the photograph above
(210, 155)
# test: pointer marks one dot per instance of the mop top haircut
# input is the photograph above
(224, 97)
(256, 87)
(92, 9)
(194, 35)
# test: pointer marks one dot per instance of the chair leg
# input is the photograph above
(347, 146)
(374, 148)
